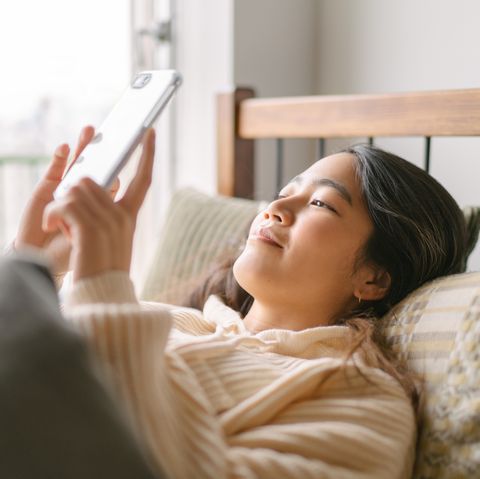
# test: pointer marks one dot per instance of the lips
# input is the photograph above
(266, 235)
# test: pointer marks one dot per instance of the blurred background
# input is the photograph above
(64, 64)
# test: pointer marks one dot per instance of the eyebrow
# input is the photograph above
(328, 182)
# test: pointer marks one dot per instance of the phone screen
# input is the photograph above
(114, 142)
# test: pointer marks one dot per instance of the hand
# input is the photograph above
(100, 231)
(30, 232)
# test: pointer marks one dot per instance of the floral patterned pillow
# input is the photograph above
(436, 329)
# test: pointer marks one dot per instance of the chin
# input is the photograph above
(252, 273)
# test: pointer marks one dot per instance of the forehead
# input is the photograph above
(339, 167)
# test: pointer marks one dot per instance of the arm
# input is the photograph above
(130, 342)
(169, 407)
(30, 233)
(351, 427)
(342, 428)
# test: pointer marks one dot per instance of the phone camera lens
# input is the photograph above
(141, 80)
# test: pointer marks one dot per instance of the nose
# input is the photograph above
(278, 212)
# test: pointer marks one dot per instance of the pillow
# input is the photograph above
(199, 231)
(436, 329)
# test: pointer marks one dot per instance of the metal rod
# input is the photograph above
(427, 153)
(320, 148)
(279, 164)
(370, 140)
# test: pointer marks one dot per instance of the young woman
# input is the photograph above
(298, 384)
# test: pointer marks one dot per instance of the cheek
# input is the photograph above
(319, 252)
(256, 221)
(328, 248)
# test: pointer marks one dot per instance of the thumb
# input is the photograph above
(51, 219)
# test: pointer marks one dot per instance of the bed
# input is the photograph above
(242, 119)
(436, 329)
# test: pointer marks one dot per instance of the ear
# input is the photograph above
(372, 283)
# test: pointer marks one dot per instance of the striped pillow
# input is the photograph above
(199, 230)
(437, 330)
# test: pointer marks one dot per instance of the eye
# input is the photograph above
(279, 196)
(322, 204)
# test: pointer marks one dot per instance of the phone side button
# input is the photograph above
(97, 138)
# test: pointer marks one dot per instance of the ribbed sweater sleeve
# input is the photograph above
(130, 344)
(114, 287)
(314, 421)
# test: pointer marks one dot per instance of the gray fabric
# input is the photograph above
(56, 419)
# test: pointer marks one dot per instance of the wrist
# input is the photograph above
(108, 287)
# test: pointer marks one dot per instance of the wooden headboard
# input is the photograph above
(241, 119)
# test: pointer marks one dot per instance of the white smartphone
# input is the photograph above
(123, 129)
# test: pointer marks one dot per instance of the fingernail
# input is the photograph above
(151, 139)
(84, 132)
(63, 150)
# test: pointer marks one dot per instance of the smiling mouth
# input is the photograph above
(264, 236)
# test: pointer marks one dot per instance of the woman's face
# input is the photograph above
(303, 249)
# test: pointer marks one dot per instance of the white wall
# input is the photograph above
(287, 47)
(265, 44)
(274, 48)
(374, 46)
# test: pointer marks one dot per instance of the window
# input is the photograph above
(64, 64)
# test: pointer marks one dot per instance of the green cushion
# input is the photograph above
(199, 230)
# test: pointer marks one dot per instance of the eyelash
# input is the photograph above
(314, 202)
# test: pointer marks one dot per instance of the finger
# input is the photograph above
(64, 228)
(137, 189)
(57, 166)
(74, 222)
(99, 204)
(63, 215)
(114, 188)
(86, 136)
(88, 197)
(116, 223)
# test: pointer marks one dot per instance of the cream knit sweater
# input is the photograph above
(212, 400)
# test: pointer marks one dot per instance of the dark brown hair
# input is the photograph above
(419, 230)
(419, 234)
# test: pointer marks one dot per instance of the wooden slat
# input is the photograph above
(435, 113)
(235, 163)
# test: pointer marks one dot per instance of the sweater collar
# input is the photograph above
(307, 343)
